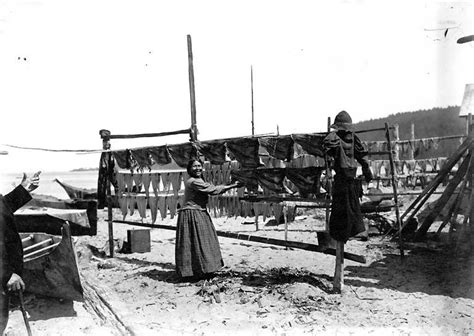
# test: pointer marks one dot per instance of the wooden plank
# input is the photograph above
(441, 203)
(264, 240)
(426, 193)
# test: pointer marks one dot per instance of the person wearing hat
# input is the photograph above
(11, 250)
(345, 150)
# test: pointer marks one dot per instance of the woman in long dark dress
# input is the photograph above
(197, 248)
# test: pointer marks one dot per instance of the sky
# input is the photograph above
(69, 68)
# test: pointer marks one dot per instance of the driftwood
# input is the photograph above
(96, 301)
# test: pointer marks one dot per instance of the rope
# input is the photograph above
(55, 150)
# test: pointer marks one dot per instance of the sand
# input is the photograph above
(263, 289)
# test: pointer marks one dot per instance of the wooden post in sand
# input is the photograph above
(105, 135)
(338, 283)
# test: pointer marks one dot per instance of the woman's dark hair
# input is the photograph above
(190, 164)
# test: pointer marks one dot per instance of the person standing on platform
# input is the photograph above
(197, 251)
(11, 250)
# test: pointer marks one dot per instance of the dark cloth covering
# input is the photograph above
(279, 147)
(197, 250)
(142, 157)
(346, 150)
(11, 250)
(182, 153)
(271, 179)
(247, 177)
(311, 143)
(346, 218)
(245, 150)
(159, 155)
(125, 159)
(214, 151)
(339, 146)
(307, 180)
(106, 173)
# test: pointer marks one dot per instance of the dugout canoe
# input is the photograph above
(50, 265)
(76, 192)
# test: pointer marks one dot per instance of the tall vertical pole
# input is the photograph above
(394, 185)
(251, 89)
(396, 135)
(194, 131)
(105, 135)
(411, 152)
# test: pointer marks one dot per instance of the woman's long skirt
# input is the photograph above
(197, 249)
(346, 217)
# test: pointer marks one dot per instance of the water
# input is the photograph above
(81, 179)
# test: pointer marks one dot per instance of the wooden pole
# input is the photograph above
(453, 183)
(426, 193)
(192, 94)
(394, 185)
(454, 208)
(324, 239)
(105, 134)
(251, 89)
(396, 137)
(411, 152)
(431, 188)
(338, 283)
(148, 135)
(263, 240)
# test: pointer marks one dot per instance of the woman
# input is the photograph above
(197, 249)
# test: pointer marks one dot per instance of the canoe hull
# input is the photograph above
(54, 273)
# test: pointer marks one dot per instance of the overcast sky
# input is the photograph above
(69, 68)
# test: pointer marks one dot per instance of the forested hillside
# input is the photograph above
(428, 123)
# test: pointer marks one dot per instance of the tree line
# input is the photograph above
(435, 122)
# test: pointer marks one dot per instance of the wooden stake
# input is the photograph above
(110, 161)
(338, 283)
(251, 90)
(192, 93)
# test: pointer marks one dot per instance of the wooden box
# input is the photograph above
(139, 240)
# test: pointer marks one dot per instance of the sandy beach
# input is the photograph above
(262, 290)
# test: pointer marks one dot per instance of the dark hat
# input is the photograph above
(343, 121)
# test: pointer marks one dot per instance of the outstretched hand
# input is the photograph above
(31, 183)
